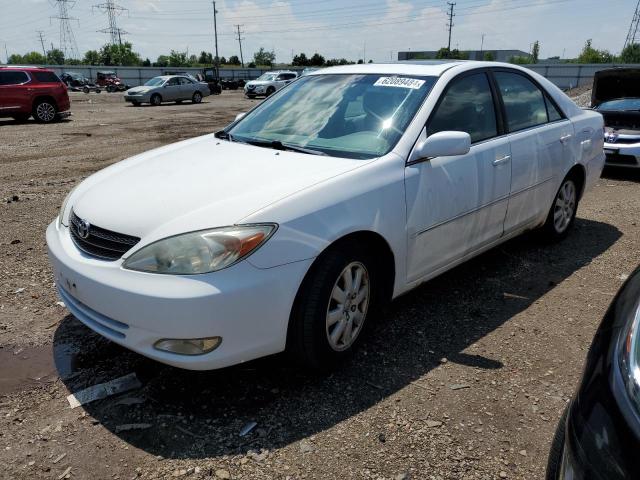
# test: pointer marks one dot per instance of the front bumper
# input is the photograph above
(622, 155)
(248, 307)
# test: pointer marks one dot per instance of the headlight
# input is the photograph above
(630, 358)
(63, 207)
(200, 252)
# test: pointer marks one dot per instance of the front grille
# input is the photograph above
(622, 140)
(100, 242)
(621, 159)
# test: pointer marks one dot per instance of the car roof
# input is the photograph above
(28, 68)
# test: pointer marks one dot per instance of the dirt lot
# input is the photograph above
(464, 378)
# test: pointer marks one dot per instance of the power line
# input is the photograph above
(633, 28)
(68, 43)
(41, 35)
(113, 10)
(240, 38)
(450, 14)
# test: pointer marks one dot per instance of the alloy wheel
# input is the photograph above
(45, 112)
(565, 205)
(347, 309)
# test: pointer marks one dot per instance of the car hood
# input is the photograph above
(259, 82)
(196, 184)
(142, 89)
(615, 83)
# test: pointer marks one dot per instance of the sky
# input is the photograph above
(377, 29)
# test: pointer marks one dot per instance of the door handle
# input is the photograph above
(500, 161)
(565, 138)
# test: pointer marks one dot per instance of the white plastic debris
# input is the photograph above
(104, 390)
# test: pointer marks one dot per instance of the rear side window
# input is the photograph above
(185, 81)
(13, 78)
(467, 106)
(46, 77)
(524, 102)
(552, 110)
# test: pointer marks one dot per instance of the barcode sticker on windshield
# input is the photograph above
(401, 82)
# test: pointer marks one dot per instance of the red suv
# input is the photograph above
(27, 91)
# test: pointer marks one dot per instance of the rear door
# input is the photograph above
(15, 92)
(540, 137)
(187, 88)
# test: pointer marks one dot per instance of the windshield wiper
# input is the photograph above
(224, 135)
(278, 145)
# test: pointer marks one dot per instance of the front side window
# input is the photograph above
(523, 101)
(467, 106)
(173, 82)
(186, 81)
(13, 78)
(346, 115)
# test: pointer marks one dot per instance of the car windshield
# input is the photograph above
(155, 82)
(354, 115)
(621, 104)
(267, 76)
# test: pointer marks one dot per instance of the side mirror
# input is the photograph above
(239, 116)
(441, 144)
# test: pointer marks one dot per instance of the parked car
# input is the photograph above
(167, 88)
(110, 81)
(308, 70)
(32, 91)
(598, 436)
(269, 83)
(616, 95)
(78, 83)
(303, 218)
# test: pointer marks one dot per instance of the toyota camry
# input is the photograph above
(291, 228)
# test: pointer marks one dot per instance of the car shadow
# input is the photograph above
(200, 414)
(167, 104)
(10, 121)
(621, 173)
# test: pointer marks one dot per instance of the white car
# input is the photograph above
(269, 83)
(294, 225)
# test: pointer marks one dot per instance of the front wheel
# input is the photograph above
(197, 97)
(270, 91)
(156, 100)
(562, 214)
(45, 111)
(338, 296)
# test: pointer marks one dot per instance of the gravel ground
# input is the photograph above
(464, 378)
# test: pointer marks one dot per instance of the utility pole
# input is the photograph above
(633, 28)
(216, 61)
(6, 52)
(482, 47)
(112, 9)
(450, 14)
(68, 43)
(240, 38)
(41, 35)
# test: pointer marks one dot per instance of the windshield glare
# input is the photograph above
(266, 76)
(354, 116)
(621, 104)
(155, 82)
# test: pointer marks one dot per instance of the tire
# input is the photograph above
(156, 100)
(111, 88)
(21, 117)
(270, 91)
(44, 111)
(557, 449)
(85, 89)
(98, 90)
(317, 336)
(562, 213)
(197, 97)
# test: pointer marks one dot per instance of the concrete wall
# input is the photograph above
(135, 76)
(571, 75)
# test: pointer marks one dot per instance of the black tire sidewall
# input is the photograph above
(270, 91)
(307, 336)
(556, 451)
(153, 100)
(197, 97)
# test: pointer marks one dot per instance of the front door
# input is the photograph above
(455, 205)
(171, 90)
(16, 92)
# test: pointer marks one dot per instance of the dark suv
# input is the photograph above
(27, 91)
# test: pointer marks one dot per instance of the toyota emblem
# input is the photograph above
(612, 137)
(83, 228)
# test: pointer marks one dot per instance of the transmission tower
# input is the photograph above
(113, 10)
(68, 43)
(633, 28)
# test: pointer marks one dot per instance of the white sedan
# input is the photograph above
(292, 227)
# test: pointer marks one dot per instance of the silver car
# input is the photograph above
(168, 88)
